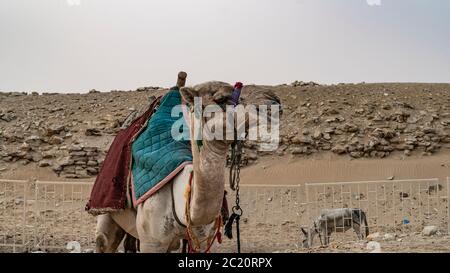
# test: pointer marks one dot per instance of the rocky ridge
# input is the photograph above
(71, 133)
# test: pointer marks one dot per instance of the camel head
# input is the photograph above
(211, 104)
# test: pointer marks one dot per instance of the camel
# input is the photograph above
(155, 222)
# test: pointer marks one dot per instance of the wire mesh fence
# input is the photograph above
(401, 206)
(45, 216)
(272, 217)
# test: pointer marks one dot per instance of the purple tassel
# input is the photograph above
(236, 93)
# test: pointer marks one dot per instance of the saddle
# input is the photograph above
(157, 156)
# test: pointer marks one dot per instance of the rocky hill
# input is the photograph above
(69, 134)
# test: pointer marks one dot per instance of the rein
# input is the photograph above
(194, 244)
(235, 170)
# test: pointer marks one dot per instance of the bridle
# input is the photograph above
(234, 178)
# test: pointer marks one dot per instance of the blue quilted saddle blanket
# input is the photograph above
(157, 157)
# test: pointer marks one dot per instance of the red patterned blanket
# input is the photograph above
(109, 192)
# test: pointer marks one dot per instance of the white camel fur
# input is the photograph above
(153, 222)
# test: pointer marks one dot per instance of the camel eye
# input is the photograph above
(222, 98)
(223, 95)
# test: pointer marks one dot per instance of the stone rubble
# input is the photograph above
(71, 133)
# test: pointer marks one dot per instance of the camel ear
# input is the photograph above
(304, 231)
(189, 94)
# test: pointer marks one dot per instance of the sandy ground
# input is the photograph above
(290, 171)
(273, 199)
(274, 207)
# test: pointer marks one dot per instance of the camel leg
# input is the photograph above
(130, 244)
(147, 243)
(175, 245)
(148, 233)
(152, 246)
(185, 245)
(108, 234)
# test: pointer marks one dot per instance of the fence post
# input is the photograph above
(448, 205)
(308, 209)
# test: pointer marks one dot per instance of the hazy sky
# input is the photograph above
(77, 45)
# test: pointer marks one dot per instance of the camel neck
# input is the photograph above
(209, 162)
